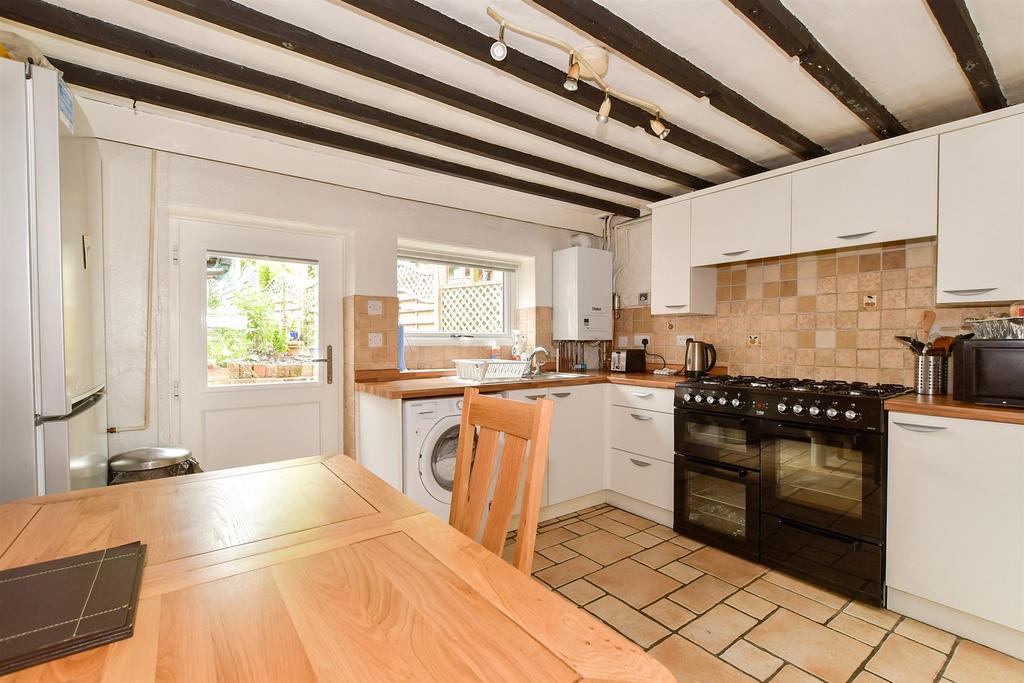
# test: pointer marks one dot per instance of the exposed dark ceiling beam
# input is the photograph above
(442, 29)
(789, 33)
(962, 35)
(634, 44)
(111, 37)
(139, 91)
(244, 20)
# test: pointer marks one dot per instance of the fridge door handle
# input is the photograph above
(77, 409)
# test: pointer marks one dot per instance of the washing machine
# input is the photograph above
(430, 441)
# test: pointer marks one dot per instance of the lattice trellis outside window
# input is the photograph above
(444, 298)
(476, 307)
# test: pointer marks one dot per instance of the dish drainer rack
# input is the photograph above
(486, 370)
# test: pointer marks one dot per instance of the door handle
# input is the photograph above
(534, 397)
(564, 394)
(855, 235)
(330, 363)
(642, 394)
(639, 463)
(919, 428)
(735, 253)
(642, 418)
(970, 292)
(676, 305)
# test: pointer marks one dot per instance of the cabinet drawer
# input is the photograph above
(643, 431)
(643, 397)
(645, 479)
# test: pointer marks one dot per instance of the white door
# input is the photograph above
(259, 311)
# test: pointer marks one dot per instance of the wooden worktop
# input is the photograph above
(947, 406)
(310, 569)
(448, 386)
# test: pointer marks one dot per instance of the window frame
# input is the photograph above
(511, 272)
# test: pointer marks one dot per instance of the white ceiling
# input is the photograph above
(893, 47)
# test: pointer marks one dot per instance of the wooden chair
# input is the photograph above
(521, 424)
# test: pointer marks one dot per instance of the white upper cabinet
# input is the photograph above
(745, 222)
(675, 287)
(889, 194)
(981, 213)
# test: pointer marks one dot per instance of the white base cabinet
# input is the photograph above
(955, 520)
(640, 460)
(675, 287)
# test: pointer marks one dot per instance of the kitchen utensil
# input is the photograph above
(927, 321)
(913, 344)
(930, 375)
(940, 346)
(700, 358)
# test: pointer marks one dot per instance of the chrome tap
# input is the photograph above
(533, 369)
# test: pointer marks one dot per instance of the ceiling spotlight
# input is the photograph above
(659, 128)
(605, 109)
(498, 49)
(572, 76)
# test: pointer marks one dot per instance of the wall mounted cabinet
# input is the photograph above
(741, 223)
(875, 197)
(675, 287)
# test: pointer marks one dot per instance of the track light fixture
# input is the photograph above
(589, 63)
(605, 109)
(498, 48)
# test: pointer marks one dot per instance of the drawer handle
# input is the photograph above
(642, 394)
(564, 394)
(642, 418)
(677, 305)
(534, 397)
(855, 235)
(970, 292)
(919, 428)
(735, 253)
(639, 463)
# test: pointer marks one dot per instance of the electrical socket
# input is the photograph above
(623, 341)
(375, 340)
(638, 339)
(374, 307)
(681, 339)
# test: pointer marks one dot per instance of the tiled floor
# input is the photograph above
(710, 616)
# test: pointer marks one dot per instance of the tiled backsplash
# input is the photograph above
(829, 315)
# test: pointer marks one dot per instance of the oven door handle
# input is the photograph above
(855, 543)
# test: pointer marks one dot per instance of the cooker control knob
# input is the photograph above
(832, 413)
(781, 407)
(736, 403)
(798, 409)
(698, 398)
(687, 397)
(851, 415)
(815, 411)
(722, 400)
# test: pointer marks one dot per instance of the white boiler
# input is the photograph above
(582, 294)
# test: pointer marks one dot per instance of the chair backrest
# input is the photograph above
(523, 425)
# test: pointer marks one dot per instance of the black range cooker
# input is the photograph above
(788, 472)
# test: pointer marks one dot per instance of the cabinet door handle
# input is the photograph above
(642, 418)
(919, 428)
(855, 235)
(564, 394)
(970, 292)
(642, 394)
(534, 397)
(639, 463)
(677, 305)
(735, 253)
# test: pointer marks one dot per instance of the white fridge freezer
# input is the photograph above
(52, 408)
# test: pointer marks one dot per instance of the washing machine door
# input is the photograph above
(437, 458)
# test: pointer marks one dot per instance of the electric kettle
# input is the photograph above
(700, 358)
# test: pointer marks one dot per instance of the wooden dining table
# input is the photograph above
(310, 569)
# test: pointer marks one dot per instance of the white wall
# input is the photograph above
(372, 224)
(632, 266)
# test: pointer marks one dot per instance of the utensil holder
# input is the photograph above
(931, 376)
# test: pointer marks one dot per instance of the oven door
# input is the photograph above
(717, 438)
(717, 505)
(831, 480)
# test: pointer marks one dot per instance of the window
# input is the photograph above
(261, 320)
(451, 298)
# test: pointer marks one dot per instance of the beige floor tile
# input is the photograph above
(868, 677)
(635, 583)
(735, 570)
(752, 660)
(683, 573)
(581, 591)
(927, 635)
(660, 555)
(669, 613)
(855, 628)
(570, 570)
(702, 594)
(688, 662)
(901, 659)
(603, 547)
(550, 538)
(581, 528)
(629, 518)
(876, 615)
(687, 542)
(642, 630)
(539, 561)
(558, 553)
(973, 662)
(751, 604)
(661, 531)
(828, 654)
(791, 601)
(791, 674)
(605, 522)
(822, 595)
(643, 538)
(717, 628)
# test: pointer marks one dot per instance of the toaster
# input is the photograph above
(628, 360)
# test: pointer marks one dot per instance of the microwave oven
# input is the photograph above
(989, 372)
